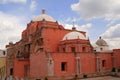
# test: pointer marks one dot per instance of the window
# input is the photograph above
(39, 42)
(27, 48)
(41, 49)
(73, 49)
(101, 49)
(3, 52)
(63, 49)
(11, 71)
(18, 54)
(63, 66)
(103, 63)
(83, 49)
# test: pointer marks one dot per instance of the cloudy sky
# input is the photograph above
(96, 17)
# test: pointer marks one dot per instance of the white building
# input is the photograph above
(101, 45)
(2, 53)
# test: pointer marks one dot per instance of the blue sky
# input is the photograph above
(96, 17)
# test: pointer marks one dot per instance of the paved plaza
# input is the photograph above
(103, 78)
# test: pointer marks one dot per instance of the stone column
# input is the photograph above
(50, 67)
(50, 64)
(78, 66)
(98, 63)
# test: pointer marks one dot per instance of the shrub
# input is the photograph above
(113, 69)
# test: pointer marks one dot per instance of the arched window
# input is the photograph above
(72, 49)
(83, 49)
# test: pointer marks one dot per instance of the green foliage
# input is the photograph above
(113, 69)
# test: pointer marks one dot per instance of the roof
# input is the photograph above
(74, 35)
(101, 42)
(44, 16)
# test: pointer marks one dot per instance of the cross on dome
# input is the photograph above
(43, 11)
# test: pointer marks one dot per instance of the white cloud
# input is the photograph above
(114, 43)
(33, 5)
(112, 36)
(80, 28)
(112, 32)
(10, 29)
(13, 1)
(71, 20)
(91, 9)
(108, 10)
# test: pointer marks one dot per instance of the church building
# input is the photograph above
(47, 49)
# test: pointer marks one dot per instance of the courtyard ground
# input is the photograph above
(103, 78)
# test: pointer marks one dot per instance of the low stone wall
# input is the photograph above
(79, 76)
(72, 76)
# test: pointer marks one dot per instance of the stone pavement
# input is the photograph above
(103, 78)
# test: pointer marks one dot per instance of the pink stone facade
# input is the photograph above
(42, 52)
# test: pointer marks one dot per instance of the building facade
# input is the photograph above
(2, 64)
(48, 49)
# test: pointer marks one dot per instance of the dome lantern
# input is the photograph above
(43, 16)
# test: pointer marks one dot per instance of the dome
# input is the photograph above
(43, 16)
(74, 35)
(94, 45)
(101, 42)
